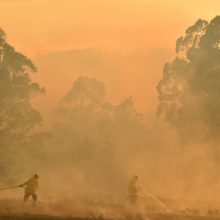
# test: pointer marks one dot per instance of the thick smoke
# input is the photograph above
(95, 145)
(189, 99)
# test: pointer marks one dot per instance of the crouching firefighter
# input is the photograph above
(31, 187)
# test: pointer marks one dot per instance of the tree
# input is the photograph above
(82, 104)
(18, 119)
(92, 131)
(189, 92)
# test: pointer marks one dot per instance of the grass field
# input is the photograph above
(155, 216)
(72, 210)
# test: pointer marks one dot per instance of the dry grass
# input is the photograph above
(81, 210)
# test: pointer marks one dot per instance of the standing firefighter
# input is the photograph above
(31, 187)
(133, 189)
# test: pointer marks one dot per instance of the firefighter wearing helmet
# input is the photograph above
(31, 187)
(133, 189)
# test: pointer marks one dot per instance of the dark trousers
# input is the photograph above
(133, 199)
(27, 195)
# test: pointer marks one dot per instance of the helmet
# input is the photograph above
(36, 175)
(135, 177)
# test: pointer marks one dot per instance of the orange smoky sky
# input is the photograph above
(37, 27)
(40, 26)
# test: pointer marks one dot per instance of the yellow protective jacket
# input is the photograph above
(31, 185)
(133, 188)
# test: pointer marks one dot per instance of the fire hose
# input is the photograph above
(12, 187)
(161, 204)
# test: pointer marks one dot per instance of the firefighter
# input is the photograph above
(133, 189)
(31, 187)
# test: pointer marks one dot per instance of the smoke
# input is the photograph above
(98, 137)
(96, 146)
(124, 74)
(189, 102)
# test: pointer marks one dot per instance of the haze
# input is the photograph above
(40, 26)
(37, 27)
(116, 49)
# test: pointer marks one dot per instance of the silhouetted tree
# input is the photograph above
(189, 92)
(18, 118)
(92, 130)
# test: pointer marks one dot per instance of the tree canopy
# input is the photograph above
(92, 130)
(189, 91)
(18, 119)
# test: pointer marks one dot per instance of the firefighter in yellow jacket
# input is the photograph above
(31, 187)
(133, 189)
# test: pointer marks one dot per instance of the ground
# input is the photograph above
(155, 216)
(72, 210)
